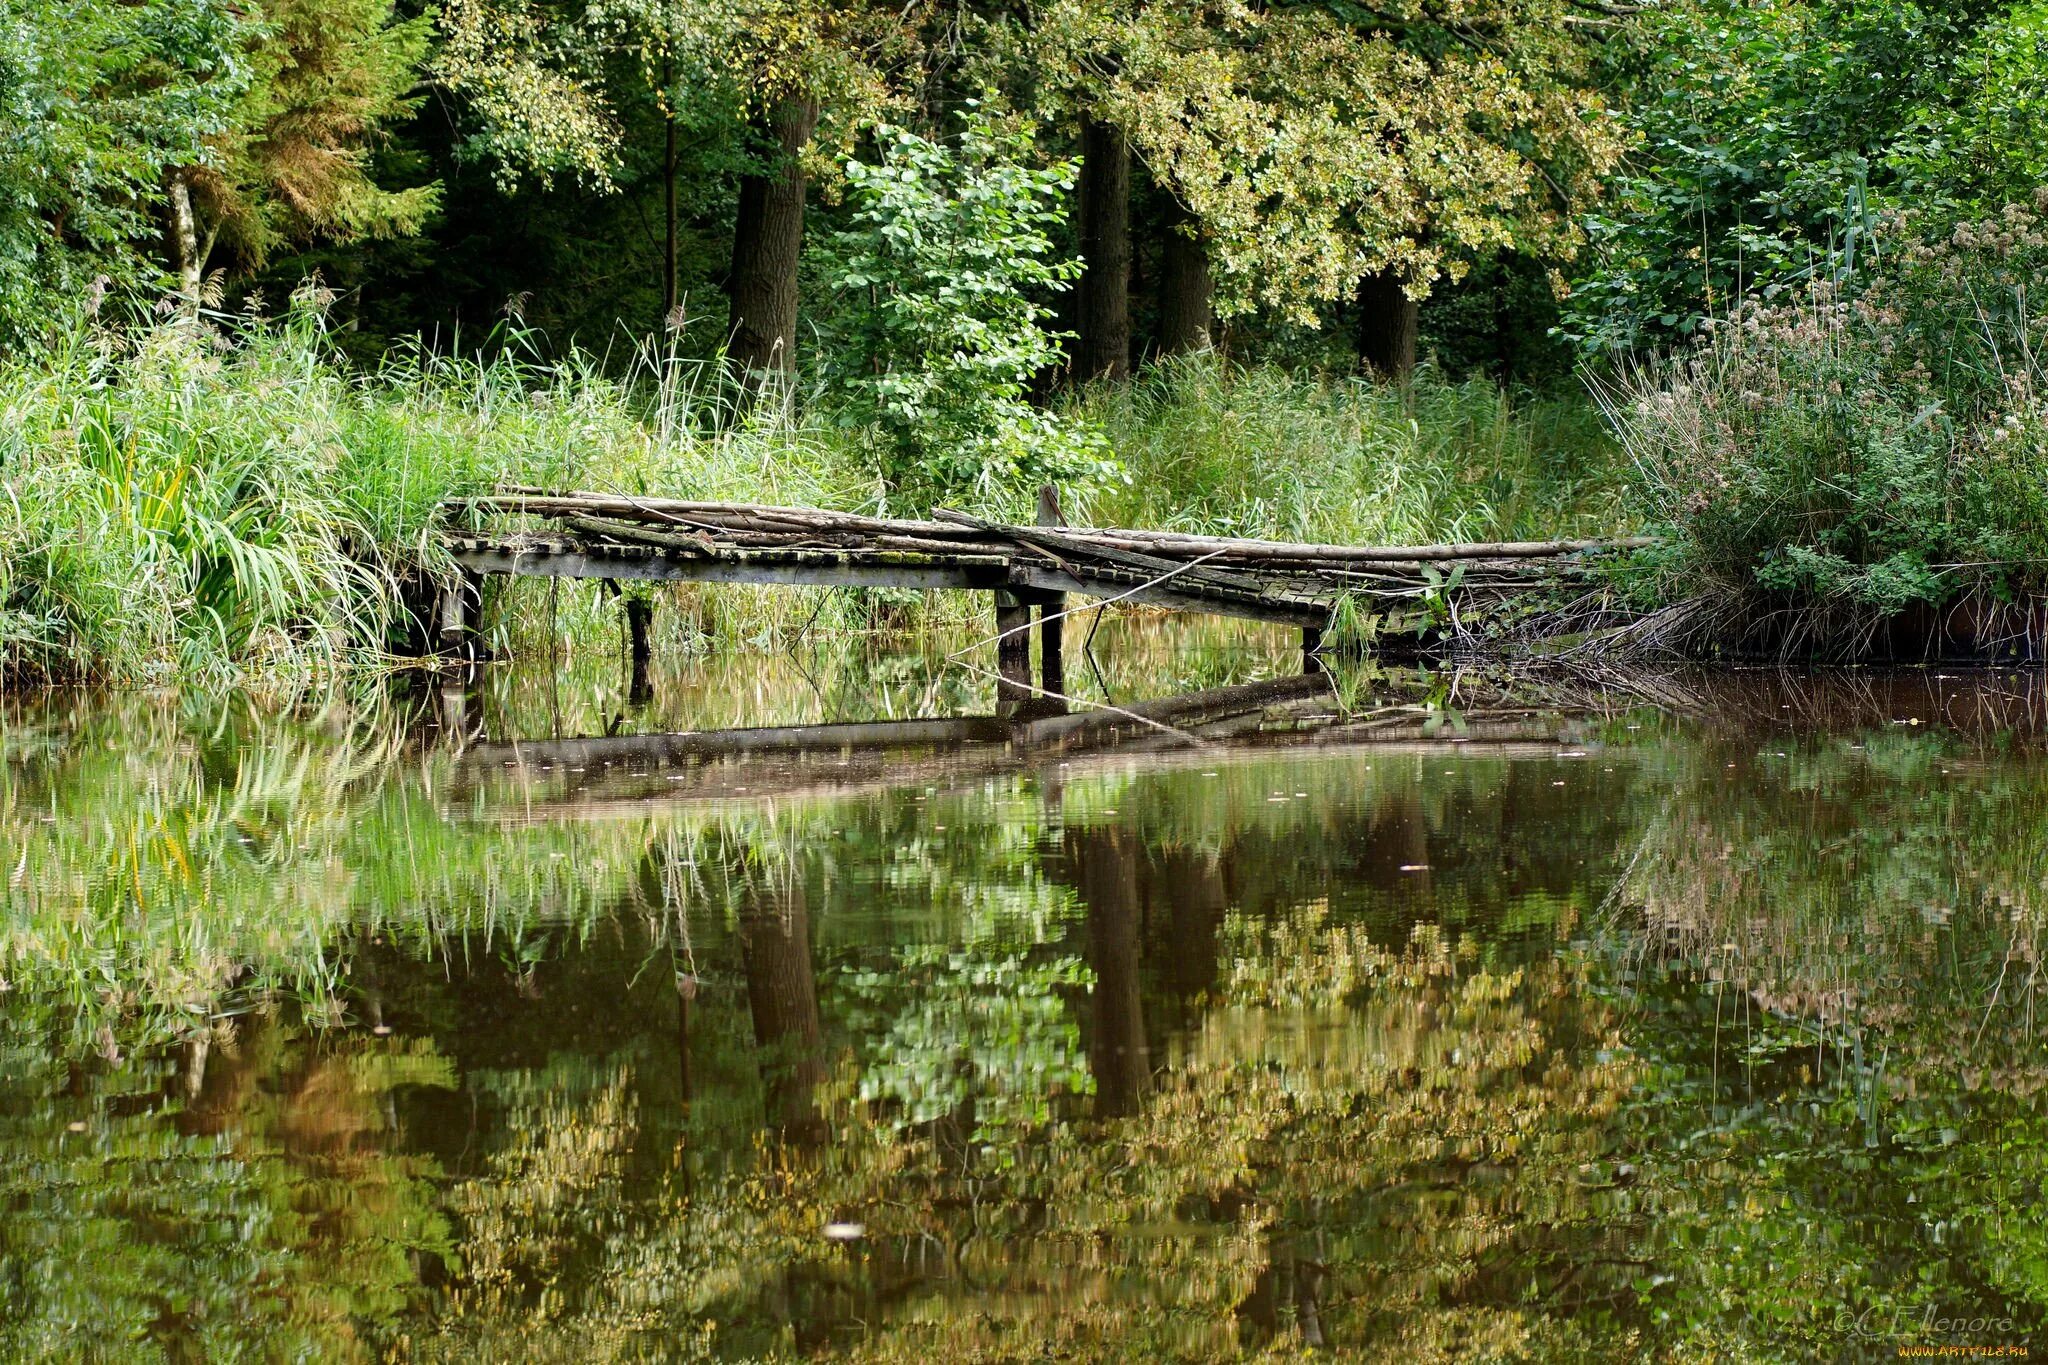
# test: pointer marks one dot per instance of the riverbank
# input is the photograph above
(1851, 475)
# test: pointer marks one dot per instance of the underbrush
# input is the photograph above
(231, 502)
(1872, 453)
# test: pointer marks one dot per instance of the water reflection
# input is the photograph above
(1420, 1017)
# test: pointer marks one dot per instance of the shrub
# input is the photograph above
(941, 331)
(1867, 449)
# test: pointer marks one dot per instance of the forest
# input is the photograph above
(1748, 276)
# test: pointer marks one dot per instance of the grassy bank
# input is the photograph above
(189, 504)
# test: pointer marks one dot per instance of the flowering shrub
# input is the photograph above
(1873, 446)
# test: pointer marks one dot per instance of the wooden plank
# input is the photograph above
(803, 567)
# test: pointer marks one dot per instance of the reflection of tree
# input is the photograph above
(1105, 863)
(782, 996)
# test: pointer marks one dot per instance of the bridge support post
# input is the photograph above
(1052, 673)
(1052, 668)
(455, 617)
(639, 617)
(1311, 649)
(1013, 649)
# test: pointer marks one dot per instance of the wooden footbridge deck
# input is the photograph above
(622, 538)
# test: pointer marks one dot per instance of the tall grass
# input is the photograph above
(200, 504)
(1262, 451)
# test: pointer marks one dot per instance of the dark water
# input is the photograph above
(1406, 1018)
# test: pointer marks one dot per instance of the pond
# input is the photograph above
(1396, 1015)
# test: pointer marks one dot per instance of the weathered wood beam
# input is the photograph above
(798, 567)
(679, 511)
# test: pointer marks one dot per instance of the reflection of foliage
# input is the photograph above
(977, 1025)
(1791, 1078)
(297, 1214)
(567, 1133)
(990, 1036)
(1421, 1149)
(1840, 1047)
(1420, 1154)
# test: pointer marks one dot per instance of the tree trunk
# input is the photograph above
(1386, 326)
(1185, 315)
(782, 996)
(184, 235)
(768, 239)
(1103, 347)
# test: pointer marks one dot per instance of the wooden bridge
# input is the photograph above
(619, 537)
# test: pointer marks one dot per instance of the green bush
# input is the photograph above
(940, 332)
(1870, 449)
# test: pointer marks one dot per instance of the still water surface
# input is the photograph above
(1405, 1018)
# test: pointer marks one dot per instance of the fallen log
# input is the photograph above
(699, 546)
(672, 510)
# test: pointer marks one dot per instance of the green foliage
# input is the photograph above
(1319, 143)
(328, 77)
(1872, 451)
(1767, 136)
(1987, 142)
(263, 117)
(942, 331)
(95, 101)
